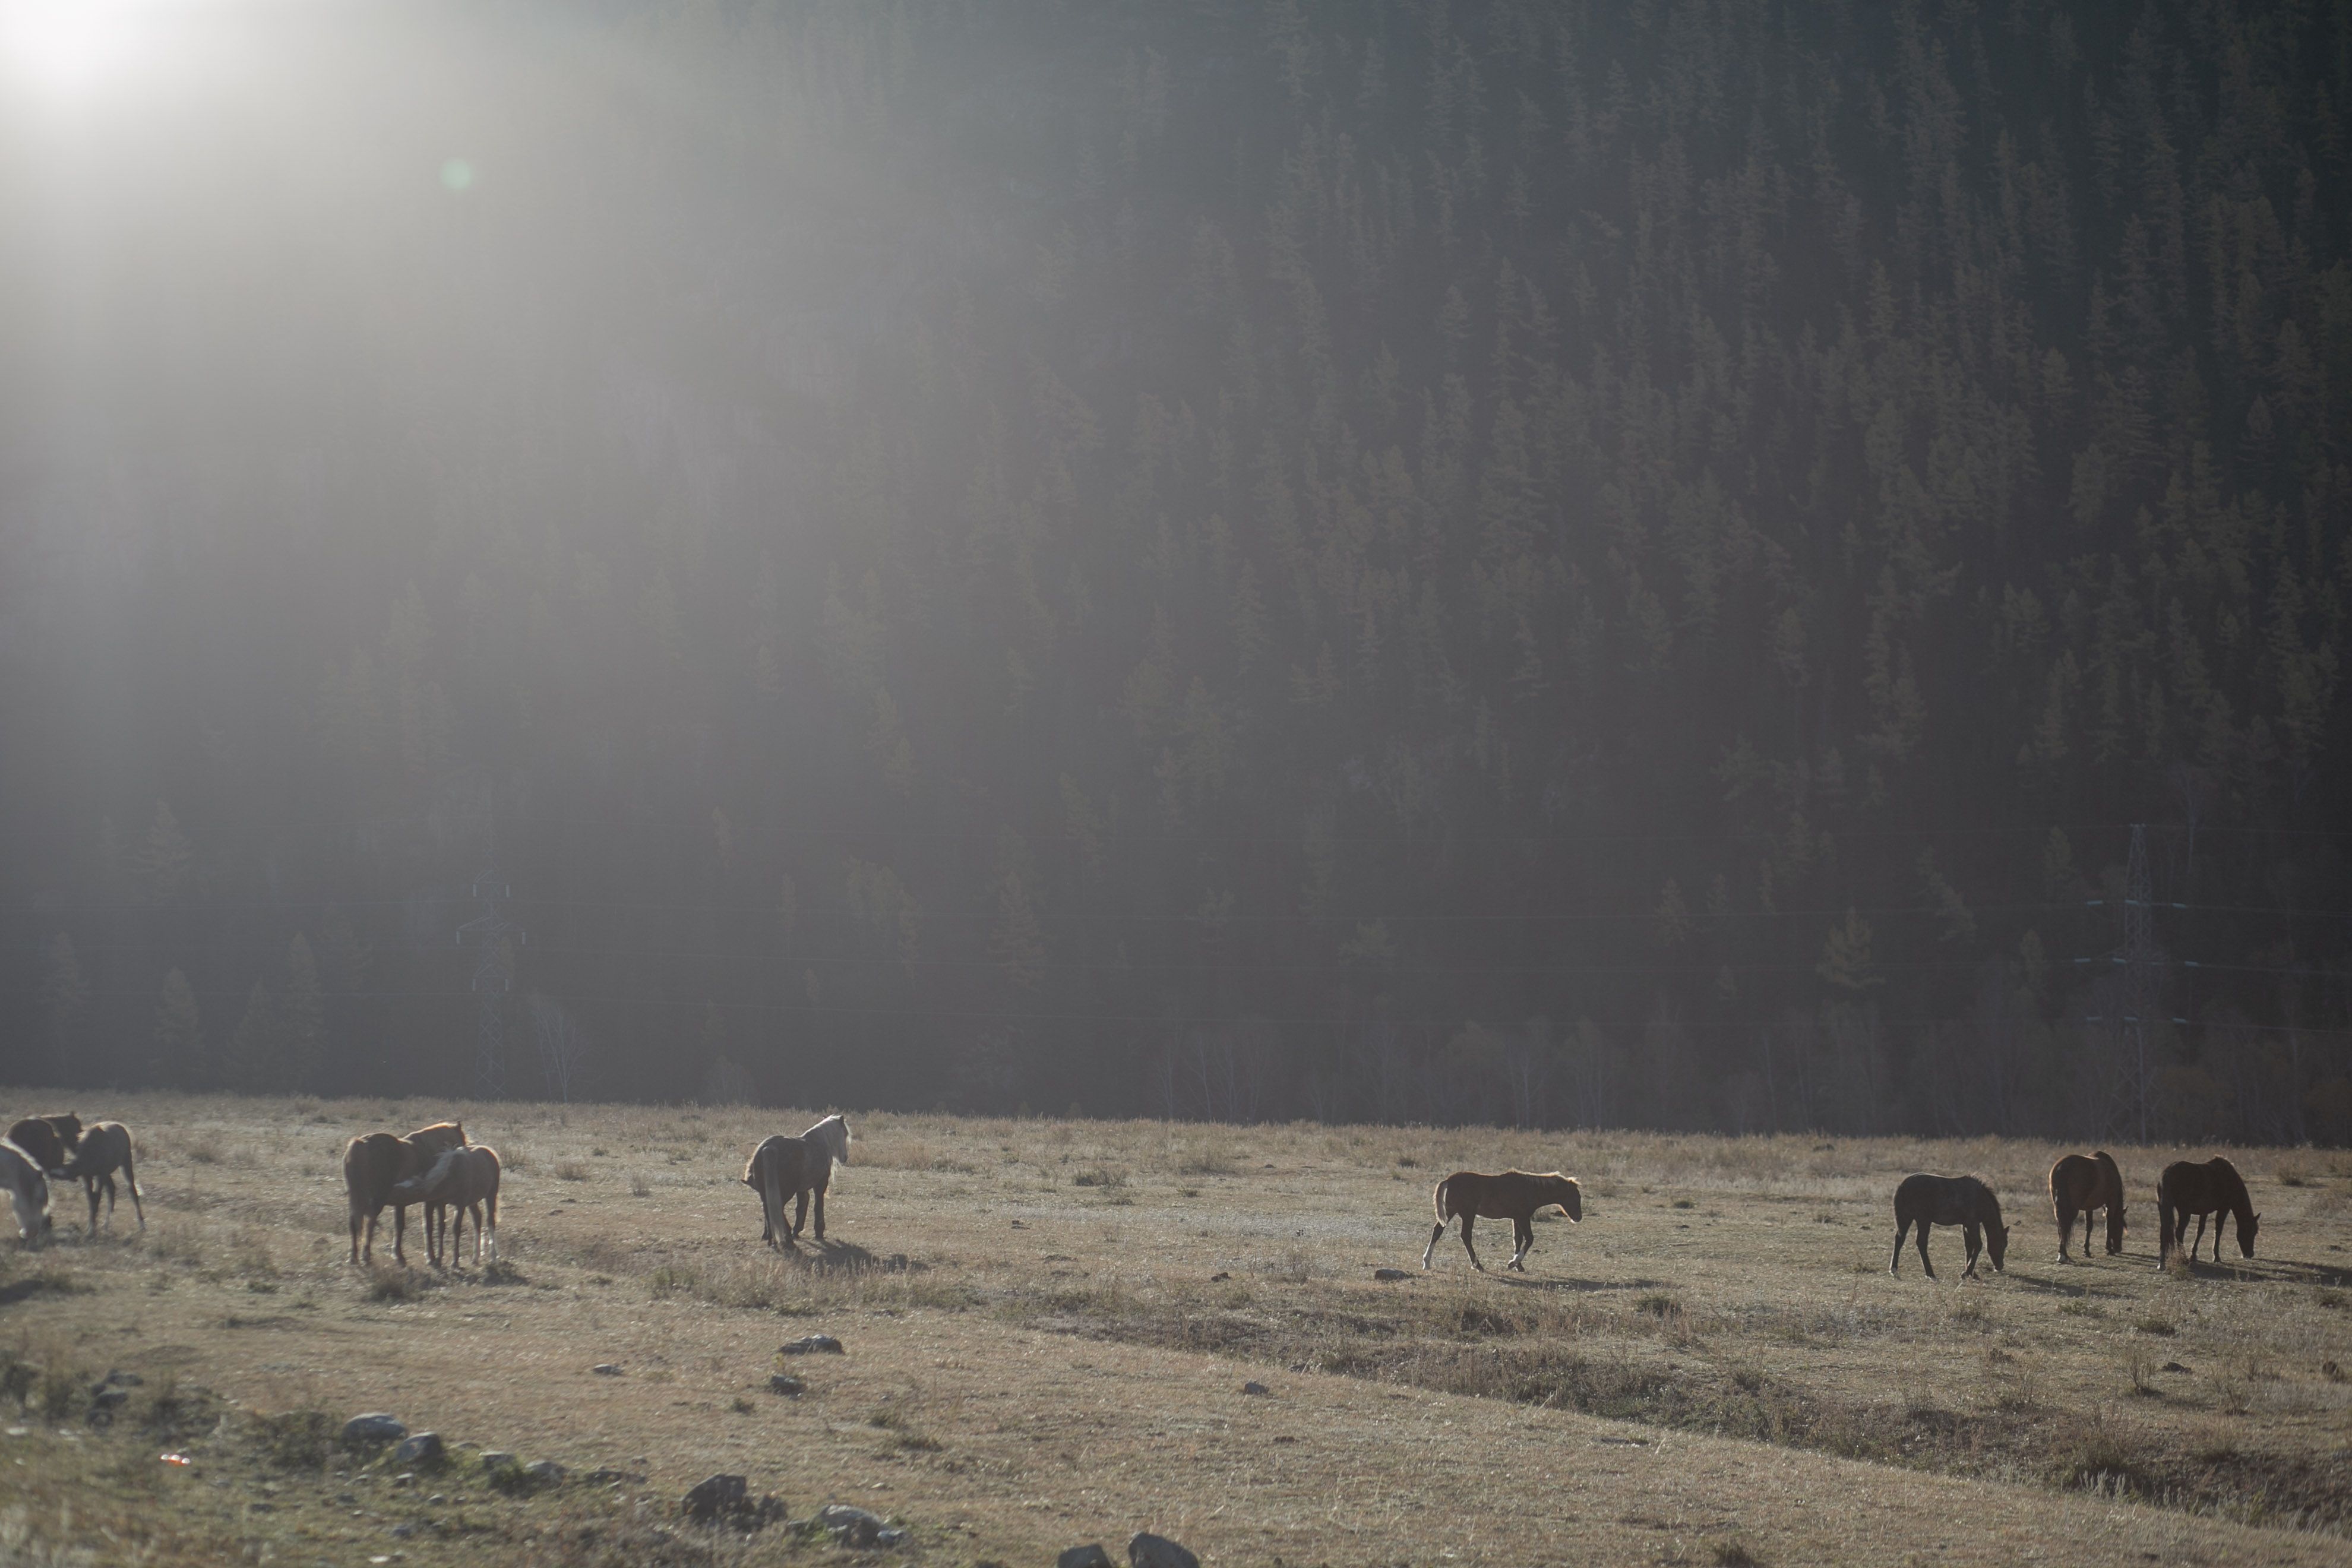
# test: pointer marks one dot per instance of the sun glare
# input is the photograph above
(72, 47)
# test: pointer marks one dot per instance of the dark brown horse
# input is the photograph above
(48, 1141)
(1513, 1196)
(105, 1149)
(1925, 1201)
(2079, 1183)
(2186, 1188)
(374, 1163)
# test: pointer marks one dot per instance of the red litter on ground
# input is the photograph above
(176, 1458)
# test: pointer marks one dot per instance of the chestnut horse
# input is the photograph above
(105, 1149)
(1513, 1196)
(2079, 1183)
(464, 1179)
(376, 1162)
(2186, 1189)
(1925, 1201)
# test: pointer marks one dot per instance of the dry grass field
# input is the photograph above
(1049, 1325)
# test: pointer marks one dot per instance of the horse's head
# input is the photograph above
(2246, 1228)
(1570, 1196)
(1997, 1243)
(69, 1128)
(2115, 1229)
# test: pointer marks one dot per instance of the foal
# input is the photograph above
(1513, 1196)
(105, 1149)
(465, 1180)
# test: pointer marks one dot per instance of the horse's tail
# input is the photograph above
(1442, 1200)
(771, 1197)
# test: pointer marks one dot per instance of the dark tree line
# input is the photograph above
(1539, 561)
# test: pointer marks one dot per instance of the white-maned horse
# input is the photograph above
(28, 1192)
(783, 1170)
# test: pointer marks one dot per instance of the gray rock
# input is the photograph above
(853, 1527)
(420, 1448)
(498, 1459)
(404, 1530)
(897, 1535)
(812, 1344)
(606, 1369)
(788, 1385)
(406, 1479)
(373, 1428)
(1256, 1388)
(2174, 1367)
(1090, 1555)
(437, 1499)
(1149, 1551)
(715, 1500)
(543, 1473)
(1391, 1274)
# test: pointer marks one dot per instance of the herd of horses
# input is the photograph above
(2080, 1185)
(453, 1179)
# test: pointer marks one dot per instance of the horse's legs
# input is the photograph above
(1467, 1221)
(491, 1204)
(1975, 1238)
(1895, 1264)
(1435, 1232)
(1524, 1233)
(820, 1221)
(1924, 1228)
(89, 1191)
(771, 1200)
(2201, 1236)
(109, 1180)
(400, 1234)
(131, 1178)
(2065, 1231)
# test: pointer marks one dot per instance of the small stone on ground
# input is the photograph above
(1391, 1274)
(812, 1344)
(1090, 1555)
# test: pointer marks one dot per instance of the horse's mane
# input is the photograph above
(832, 1135)
(2231, 1187)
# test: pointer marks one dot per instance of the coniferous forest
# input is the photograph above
(1734, 565)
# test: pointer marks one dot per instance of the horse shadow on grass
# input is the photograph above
(848, 1257)
(1578, 1286)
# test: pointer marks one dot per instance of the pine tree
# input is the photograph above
(301, 1020)
(179, 1037)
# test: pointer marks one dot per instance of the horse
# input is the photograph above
(374, 1163)
(2186, 1189)
(105, 1149)
(49, 1140)
(1924, 1201)
(2079, 1183)
(28, 1191)
(782, 1168)
(465, 1179)
(1513, 1196)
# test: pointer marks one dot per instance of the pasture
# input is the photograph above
(1048, 1324)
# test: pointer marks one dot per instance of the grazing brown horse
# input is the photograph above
(2186, 1188)
(2079, 1183)
(28, 1192)
(105, 1149)
(1924, 1201)
(48, 1141)
(465, 1180)
(375, 1163)
(1513, 1196)
(783, 1169)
